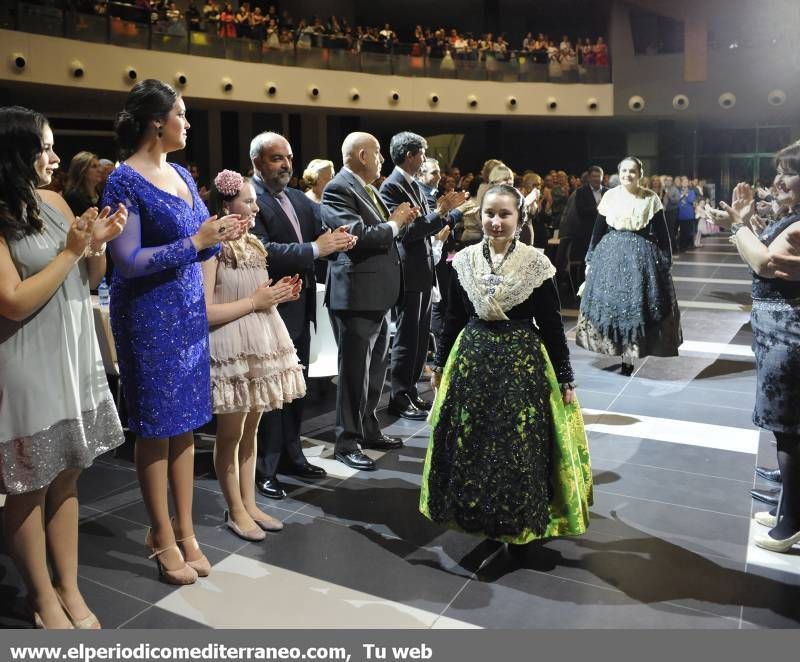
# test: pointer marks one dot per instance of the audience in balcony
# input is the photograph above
(281, 32)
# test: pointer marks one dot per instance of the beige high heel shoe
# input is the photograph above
(90, 622)
(180, 577)
(201, 566)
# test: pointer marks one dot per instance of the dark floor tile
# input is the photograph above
(646, 569)
(362, 559)
(509, 596)
(112, 553)
(691, 393)
(105, 483)
(699, 531)
(208, 508)
(721, 373)
(698, 412)
(691, 270)
(705, 492)
(157, 618)
(662, 454)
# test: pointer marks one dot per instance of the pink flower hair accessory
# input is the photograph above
(229, 183)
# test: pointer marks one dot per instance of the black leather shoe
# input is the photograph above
(383, 443)
(772, 475)
(766, 496)
(419, 403)
(306, 470)
(271, 488)
(626, 369)
(407, 409)
(356, 460)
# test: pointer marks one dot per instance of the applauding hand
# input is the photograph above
(268, 295)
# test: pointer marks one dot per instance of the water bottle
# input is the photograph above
(103, 294)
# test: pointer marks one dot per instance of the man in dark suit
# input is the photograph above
(414, 309)
(289, 226)
(363, 285)
(428, 178)
(579, 223)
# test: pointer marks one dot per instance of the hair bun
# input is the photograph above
(127, 130)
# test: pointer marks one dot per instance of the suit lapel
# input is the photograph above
(361, 194)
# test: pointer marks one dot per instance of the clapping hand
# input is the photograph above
(214, 230)
(337, 241)
(443, 234)
(107, 226)
(268, 295)
(403, 214)
(78, 237)
(450, 201)
(743, 201)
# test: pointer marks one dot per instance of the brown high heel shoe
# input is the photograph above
(180, 577)
(201, 566)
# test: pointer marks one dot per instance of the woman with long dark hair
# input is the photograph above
(56, 412)
(158, 315)
(84, 178)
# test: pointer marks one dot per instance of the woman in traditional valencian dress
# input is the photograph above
(508, 457)
(628, 307)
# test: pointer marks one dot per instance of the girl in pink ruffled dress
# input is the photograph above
(254, 365)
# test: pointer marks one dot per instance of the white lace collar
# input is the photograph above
(493, 295)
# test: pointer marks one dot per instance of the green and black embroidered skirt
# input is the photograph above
(507, 459)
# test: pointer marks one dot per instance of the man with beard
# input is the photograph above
(289, 226)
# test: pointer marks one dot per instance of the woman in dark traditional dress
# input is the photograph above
(508, 457)
(628, 307)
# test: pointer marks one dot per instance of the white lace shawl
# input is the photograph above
(523, 271)
(629, 211)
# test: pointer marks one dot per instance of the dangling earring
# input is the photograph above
(160, 131)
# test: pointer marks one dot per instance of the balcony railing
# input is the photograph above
(125, 25)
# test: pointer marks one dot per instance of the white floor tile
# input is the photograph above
(697, 346)
(300, 601)
(716, 281)
(706, 435)
(714, 305)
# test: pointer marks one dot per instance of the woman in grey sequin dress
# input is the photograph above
(775, 320)
(56, 412)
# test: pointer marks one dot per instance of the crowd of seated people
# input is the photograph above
(280, 31)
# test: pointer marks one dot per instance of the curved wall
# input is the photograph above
(50, 60)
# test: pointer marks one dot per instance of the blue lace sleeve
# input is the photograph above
(134, 261)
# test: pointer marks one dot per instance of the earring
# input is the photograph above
(160, 131)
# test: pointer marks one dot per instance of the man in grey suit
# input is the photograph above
(410, 345)
(363, 284)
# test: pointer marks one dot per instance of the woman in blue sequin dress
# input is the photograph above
(158, 315)
(775, 320)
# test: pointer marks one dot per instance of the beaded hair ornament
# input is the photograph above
(229, 183)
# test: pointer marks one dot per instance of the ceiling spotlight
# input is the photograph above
(636, 103)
